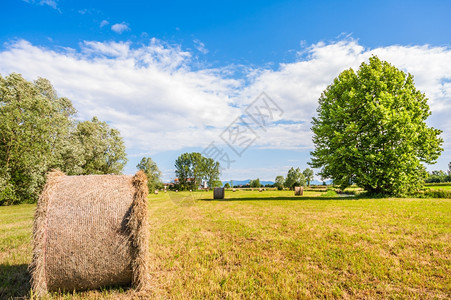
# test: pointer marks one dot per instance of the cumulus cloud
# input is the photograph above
(159, 103)
(120, 27)
(148, 93)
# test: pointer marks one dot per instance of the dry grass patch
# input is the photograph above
(275, 245)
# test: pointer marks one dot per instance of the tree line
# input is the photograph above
(439, 176)
(39, 132)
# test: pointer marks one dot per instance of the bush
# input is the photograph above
(8, 196)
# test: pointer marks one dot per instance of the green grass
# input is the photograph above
(273, 245)
(439, 187)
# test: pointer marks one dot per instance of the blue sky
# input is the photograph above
(172, 75)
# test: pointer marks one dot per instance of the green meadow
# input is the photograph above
(270, 244)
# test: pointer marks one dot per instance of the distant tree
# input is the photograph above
(255, 183)
(150, 168)
(436, 176)
(103, 147)
(294, 178)
(279, 182)
(371, 130)
(216, 183)
(308, 174)
(192, 168)
(227, 185)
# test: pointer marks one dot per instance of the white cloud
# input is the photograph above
(120, 27)
(104, 23)
(156, 100)
(148, 93)
(200, 47)
(52, 3)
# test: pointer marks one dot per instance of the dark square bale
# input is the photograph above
(218, 193)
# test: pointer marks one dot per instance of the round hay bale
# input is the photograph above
(156, 192)
(298, 190)
(90, 231)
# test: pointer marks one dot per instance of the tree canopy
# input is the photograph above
(38, 132)
(153, 173)
(308, 174)
(255, 183)
(103, 147)
(279, 182)
(371, 130)
(294, 178)
(192, 168)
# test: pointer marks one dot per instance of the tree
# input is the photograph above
(35, 126)
(371, 130)
(308, 174)
(278, 182)
(227, 185)
(150, 168)
(192, 168)
(211, 171)
(38, 132)
(103, 147)
(255, 183)
(294, 178)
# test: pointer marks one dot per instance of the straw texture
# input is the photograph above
(298, 190)
(90, 231)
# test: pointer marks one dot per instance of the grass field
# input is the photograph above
(439, 187)
(272, 245)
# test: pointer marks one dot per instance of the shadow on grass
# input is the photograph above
(14, 281)
(301, 198)
(15, 284)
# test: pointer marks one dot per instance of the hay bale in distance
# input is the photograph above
(260, 190)
(156, 192)
(298, 190)
(90, 231)
(218, 193)
(234, 190)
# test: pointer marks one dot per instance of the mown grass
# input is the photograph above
(439, 187)
(272, 245)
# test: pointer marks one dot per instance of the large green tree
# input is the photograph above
(192, 168)
(211, 171)
(35, 127)
(150, 168)
(103, 147)
(371, 130)
(38, 132)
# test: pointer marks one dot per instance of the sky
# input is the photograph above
(184, 76)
